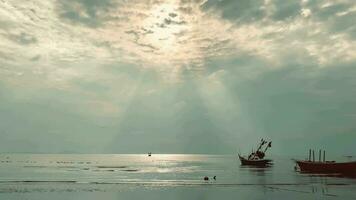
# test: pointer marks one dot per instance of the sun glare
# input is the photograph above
(163, 25)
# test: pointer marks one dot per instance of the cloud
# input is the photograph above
(36, 58)
(176, 71)
(22, 38)
(243, 11)
(169, 21)
(283, 10)
(160, 34)
(86, 12)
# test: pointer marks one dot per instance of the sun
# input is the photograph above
(163, 26)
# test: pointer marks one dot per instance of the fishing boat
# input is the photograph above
(257, 158)
(323, 166)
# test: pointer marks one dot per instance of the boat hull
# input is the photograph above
(259, 163)
(327, 167)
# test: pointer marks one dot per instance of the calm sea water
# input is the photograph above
(161, 176)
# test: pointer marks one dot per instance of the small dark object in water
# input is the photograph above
(149, 154)
(206, 178)
(214, 177)
(130, 170)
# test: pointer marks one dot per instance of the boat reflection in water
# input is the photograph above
(257, 158)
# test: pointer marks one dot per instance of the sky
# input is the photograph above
(177, 76)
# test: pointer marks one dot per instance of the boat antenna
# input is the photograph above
(268, 146)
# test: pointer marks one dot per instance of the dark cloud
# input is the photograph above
(139, 33)
(169, 21)
(243, 10)
(286, 9)
(326, 12)
(336, 16)
(173, 15)
(22, 38)
(345, 24)
(136, 40)
(186, 9)
(136, 34)
(149, 46)
(161, 25)
(146, 31)
(87, 12)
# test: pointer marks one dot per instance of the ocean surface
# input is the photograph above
(161, 176)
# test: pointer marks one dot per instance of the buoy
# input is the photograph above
(206, 178)
(214, 177)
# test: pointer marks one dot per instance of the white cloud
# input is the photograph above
(166, 36)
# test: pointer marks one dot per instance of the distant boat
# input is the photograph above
(325, 167)
(256, 158)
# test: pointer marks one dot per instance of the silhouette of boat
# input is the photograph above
(325, 167)
(256, 158)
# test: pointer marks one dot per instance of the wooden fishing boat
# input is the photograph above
(256, 158)
(257, 162)
(326, 167)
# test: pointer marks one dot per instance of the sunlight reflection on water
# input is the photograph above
(98, 172)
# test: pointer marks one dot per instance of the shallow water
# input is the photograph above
(161, 176)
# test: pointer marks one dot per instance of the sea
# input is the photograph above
(160, 176)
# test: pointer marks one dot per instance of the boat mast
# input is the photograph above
(263, 142)
(254, 153)
(324, 156)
